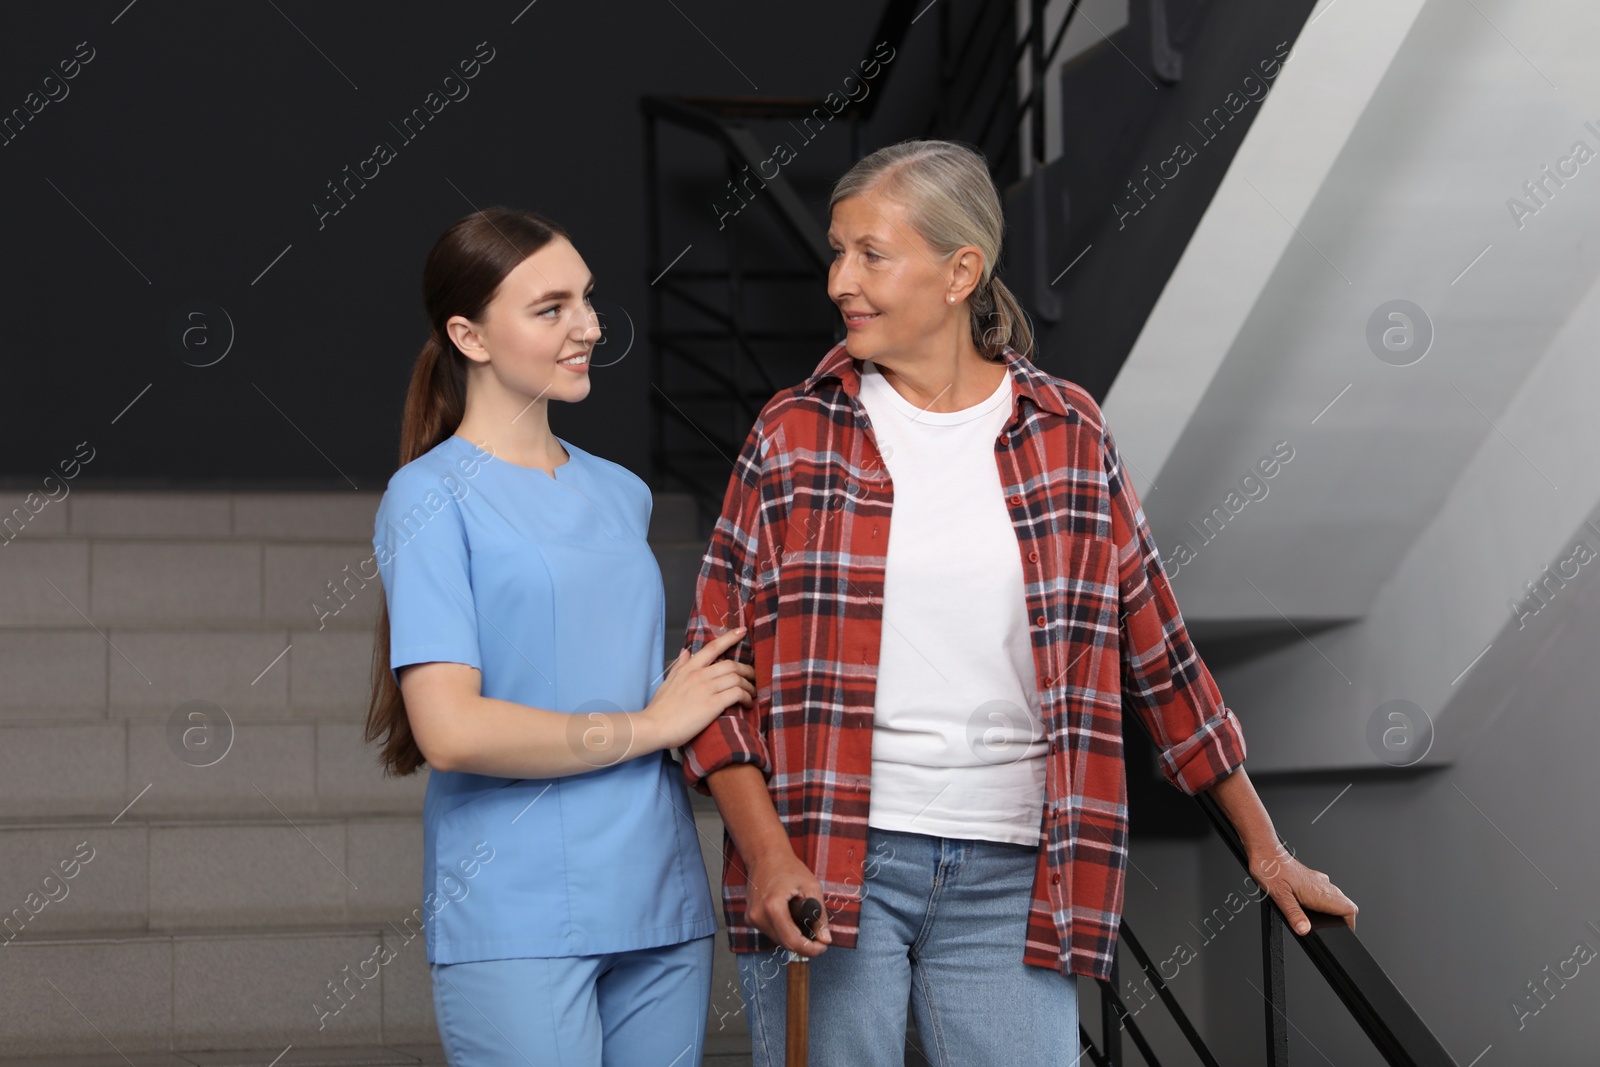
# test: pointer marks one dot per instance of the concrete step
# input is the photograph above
(233, 560)
(268, 872)
(72, 584)
(95, 768)
(348, 1056)
(143, 992)
(260, 516)
(68, 581)
(215, 892)
(195, 935)
(720, 1051)
(267, 516)
(255, 671)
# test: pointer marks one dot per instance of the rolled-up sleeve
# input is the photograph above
(1198, 739)
(723, 598)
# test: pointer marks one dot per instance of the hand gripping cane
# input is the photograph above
(806, 913)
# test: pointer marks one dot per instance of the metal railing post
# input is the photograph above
(1110, 1022)
(1277, 993)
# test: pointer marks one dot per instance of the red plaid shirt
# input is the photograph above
(798, 556)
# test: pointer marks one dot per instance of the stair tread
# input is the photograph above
(349, 1056)
(721, 1050)
(308, 818)
(126, 935)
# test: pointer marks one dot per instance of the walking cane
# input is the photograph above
(806, 913)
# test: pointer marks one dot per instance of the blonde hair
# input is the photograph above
(951, 200)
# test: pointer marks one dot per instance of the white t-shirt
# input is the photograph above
(958, 743)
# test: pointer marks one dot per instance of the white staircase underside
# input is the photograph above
(1420, 498)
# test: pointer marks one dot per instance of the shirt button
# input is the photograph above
(1049, 680)
(1004, 437)
(1055, 746)
(1055, 879)
(1015, 499)
(1033, 557)
(1039, 620)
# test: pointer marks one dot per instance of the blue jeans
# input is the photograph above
(644, 1008)
(943, 922)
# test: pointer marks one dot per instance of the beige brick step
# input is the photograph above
(271, 516)
(95, 768)
(721, 1051)
(262, 516)
(121, 672)
(255, 672)
(315, 588)
(152, 990)
(146, 993)
(266, 872)
(72, 581)
(348, 1056)
(208, 559)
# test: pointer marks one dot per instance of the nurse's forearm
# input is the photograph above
(741, 794)
(483, 735)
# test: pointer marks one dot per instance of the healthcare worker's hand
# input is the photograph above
(696, 690)
(774, 877)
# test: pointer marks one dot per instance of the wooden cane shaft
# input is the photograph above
(797, 1038)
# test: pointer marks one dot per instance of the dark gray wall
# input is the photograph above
(186, 155)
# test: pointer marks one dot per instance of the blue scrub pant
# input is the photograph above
(644, 1008)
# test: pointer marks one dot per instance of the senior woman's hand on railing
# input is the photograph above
(1292, 884)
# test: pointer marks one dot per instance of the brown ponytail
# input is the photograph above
(463, 271)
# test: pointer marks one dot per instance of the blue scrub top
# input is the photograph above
(548, 587)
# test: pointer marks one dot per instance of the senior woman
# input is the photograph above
(951, 595)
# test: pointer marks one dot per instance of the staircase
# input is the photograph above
(173, 891)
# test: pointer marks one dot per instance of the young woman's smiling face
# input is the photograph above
(540, 328)
(892, 289)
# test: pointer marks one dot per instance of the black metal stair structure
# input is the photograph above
(725, 337)
(1395, 1029)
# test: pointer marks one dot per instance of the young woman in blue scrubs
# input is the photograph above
(568, 915)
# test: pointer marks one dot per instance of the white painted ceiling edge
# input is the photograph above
(1304, 122)
(1497, 428)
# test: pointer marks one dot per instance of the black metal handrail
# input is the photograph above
(1355, 977)
(1396, 1030)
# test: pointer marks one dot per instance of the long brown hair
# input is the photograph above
(463, 271)
(952, 201)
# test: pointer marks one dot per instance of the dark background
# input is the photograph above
(188, 155)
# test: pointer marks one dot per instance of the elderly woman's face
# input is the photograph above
(890, 286)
